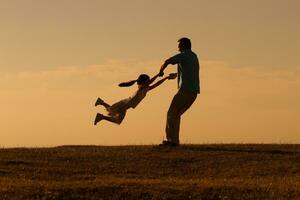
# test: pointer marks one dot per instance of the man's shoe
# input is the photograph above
(169, 143)
(98, 118)
(99, 102)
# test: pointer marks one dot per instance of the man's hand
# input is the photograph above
(163, 67)
(172, 76)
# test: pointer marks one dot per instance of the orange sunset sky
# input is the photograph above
(58, 56)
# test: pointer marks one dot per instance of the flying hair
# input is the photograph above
(141, 79)
(127, 84)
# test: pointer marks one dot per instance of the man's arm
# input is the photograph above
(164, 66)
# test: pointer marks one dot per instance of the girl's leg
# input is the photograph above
(117, 119)
(101, 102)
(98, 118)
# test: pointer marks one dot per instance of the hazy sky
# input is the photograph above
(58, 56)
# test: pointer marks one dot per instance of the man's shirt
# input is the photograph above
(188, 70)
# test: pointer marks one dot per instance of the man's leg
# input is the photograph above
(180, 103)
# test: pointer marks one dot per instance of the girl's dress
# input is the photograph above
(118, 110)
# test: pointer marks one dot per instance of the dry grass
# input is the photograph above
(151, 172)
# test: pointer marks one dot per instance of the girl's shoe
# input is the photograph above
(99, 102)
(98, 118)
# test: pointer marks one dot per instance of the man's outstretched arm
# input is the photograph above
(164, 66)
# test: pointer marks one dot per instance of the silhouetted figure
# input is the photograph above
(117, 111)
(188, 88)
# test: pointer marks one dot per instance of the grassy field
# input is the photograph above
(229, 171)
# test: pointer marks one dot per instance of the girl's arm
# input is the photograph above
(157, 83)
(171, 76)
(153, 78)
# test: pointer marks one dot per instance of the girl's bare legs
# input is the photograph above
(117, 119)
(98, 118)
(101, 102)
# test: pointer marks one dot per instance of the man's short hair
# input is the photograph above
(186, 42)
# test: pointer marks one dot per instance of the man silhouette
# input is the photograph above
(188, 88)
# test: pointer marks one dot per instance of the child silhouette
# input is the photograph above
(117, 111)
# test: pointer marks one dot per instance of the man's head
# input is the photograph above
(184, 44)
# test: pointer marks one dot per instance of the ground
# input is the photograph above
(214, 171)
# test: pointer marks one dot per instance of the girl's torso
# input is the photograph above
(138, 97)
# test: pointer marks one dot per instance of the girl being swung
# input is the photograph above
(117, 111)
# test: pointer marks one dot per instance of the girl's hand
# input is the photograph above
(161, 73)
(172, 76)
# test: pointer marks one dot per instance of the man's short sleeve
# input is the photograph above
(176, 59)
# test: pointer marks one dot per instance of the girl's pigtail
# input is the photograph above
(127, 84)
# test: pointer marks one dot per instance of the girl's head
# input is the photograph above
(142, 80)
